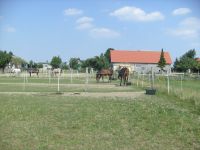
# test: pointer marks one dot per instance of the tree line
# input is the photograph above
(186, 62)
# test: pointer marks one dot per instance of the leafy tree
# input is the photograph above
(56, 62)
(64, 66)
(5, 58)
(190, 54)
(107, 54)
(39, 65)
(17, 61)
(187, 61)
(74, 63)
(162, 61)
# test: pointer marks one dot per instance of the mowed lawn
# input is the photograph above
(57, 122)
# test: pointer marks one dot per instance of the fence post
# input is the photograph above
(168, 83)
(71, 74)
(86, 80)
(49, 77)
(142, 79)
(137, 78)
(181, 83)
(58, 83)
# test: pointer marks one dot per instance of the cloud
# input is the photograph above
(128, 13)
(72, 12)
(181, 11)
(84, 26)
(10, 29)
(103, 33)
(188, 28)
(84, 20)
(84, 23)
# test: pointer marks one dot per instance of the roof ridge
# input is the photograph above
(139, 51)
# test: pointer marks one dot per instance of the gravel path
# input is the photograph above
(82, 94)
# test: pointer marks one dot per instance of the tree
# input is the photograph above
(5, 58)
(107, 54)
(74, 63)
(17, 61)
(186, 62)
(162, 61)
(56, 62)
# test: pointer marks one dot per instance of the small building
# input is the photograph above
(198, 60)
(139, 61)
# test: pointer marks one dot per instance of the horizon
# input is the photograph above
(38, 30)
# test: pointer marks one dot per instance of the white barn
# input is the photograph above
(139, 61)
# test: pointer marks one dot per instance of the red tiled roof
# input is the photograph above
(198, 59)
(145, 57)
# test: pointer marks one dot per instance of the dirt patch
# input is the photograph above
(109, 94)
(81, 94)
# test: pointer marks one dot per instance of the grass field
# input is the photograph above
(51, 121)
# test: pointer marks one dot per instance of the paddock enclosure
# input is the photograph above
(73, 111)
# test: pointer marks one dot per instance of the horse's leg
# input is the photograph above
(124, 79)
(30, 74)
(97, 78)
(127, 78)
(121, 81)
(109, 78)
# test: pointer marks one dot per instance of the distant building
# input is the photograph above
(139, 61)
(198, 60)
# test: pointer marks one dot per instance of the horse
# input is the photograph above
(56, 71)
(104, 72)
(33, 70)
(15, 71)
(123, 74)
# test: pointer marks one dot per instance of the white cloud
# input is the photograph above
(84, 20)
(10, 29)
(103, 33)
(128, 13)
(184, 33)
(84, 26)
(72, 12)
(188, 28)
(84, 23)
(181, 11)
(191, 22)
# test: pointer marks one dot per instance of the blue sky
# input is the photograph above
(40, 29)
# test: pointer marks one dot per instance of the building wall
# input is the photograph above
(140, 68)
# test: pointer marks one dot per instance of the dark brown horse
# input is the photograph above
(33, 70)
(123, 74)
(104, 72)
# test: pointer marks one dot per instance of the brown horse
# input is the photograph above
(123, 74)
(104, 72)
(33, 70)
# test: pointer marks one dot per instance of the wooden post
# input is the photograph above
(181, 83)
(49, 77)
(142, 79)
(152, 78)
(24, 83)
(86, 81)
(58, 83)
(137, 78)
(71, 75)
(167, 83)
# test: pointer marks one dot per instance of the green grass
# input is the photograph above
(54, 121)
(59, 122)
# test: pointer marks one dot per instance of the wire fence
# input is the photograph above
(184, 86)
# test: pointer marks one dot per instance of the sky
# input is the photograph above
(40, 29)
